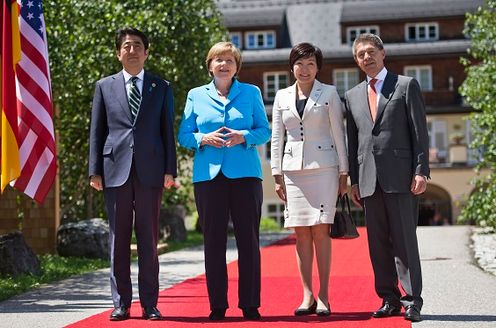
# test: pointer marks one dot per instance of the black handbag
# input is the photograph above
(344, 226)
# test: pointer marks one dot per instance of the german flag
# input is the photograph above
(11, 55)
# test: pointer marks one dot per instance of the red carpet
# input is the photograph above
(352, 295)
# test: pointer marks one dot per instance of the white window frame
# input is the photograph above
(278, 214)
(418, 69)
(359, 30)
(277, 84)
(438, 134)
(264, 34)
(347, 84)
(240, 38)
(417, 26)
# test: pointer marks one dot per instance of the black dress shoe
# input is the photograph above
(119, 313)
(307, 311)
(251, 313)
(387, 310)
(151, 313)
(412, 313)
(324, 312)
(217, 314)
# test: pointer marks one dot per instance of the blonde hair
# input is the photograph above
(222, 48)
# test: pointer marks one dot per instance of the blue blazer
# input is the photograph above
(205, 112)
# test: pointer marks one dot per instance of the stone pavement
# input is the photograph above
(456, 292)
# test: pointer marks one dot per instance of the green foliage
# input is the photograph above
(81, 48)
(53, 268)
(479, 89)
(193, 238)
(269, 225)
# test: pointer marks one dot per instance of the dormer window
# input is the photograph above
(353, 32)
(260, 40)
(421, 32)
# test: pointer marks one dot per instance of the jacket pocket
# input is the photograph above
(288, 150)
(402, 153)
(107, 150)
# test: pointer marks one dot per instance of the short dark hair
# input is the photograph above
(367, 37)
(305, 50)
(121, 35)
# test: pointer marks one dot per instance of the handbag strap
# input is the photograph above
(344, 200)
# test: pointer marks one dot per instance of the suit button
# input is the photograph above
(301, 128)
(320, 147)
(321, 205)
(221, 114)
(134, 128)
(301, 134)
(301, 139)
(301, 123)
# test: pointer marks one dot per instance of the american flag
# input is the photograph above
(34, 105)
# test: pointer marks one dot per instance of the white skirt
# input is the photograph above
(311, 197)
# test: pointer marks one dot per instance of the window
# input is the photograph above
(260, 40)
(345, 79)
(353, 31)
(423, 74)
(274, 81)
(236, 39)
(276, 212)
(438, 141)
(421, 32)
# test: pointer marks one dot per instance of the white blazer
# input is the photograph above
(315, 140)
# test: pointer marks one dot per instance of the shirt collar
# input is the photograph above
(127, 76)
(381, 76)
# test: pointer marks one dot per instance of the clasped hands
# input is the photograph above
(223, 137)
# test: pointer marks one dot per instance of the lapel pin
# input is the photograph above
(153, 86)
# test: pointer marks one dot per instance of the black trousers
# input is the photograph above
(133, 204)
(240, 200)
(391, 225)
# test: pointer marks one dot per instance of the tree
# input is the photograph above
(81, 49)
(479, 90)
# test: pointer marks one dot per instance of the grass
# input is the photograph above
(53, 268)
(56, 268)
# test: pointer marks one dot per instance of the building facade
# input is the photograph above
(423, 39)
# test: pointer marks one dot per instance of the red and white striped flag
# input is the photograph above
(35, 132)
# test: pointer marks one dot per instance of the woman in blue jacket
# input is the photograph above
(223, 122)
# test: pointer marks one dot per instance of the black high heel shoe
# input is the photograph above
(324, 312)
(307, 311)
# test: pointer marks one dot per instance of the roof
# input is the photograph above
(380, 10)
(455, 47)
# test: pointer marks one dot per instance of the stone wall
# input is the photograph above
(39, 222)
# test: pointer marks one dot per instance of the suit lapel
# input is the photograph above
(363, 97)
(233, 92)
(292, 101)
(314, 96)
(119, 88)
(386, 93)
(146, 92)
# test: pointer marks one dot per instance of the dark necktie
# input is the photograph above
(373, 99)
(134, 98)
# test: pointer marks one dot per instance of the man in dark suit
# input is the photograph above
(132, 158)
(388, 156)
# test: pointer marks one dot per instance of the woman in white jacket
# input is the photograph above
(310, 168)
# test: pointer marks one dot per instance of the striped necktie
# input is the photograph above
(134, 98)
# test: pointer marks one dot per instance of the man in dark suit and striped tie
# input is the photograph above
(132, 158)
